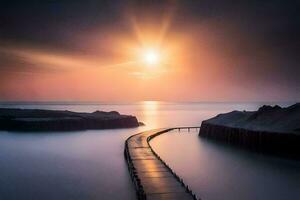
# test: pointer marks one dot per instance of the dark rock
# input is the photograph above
(270, 129)
(141, 123)
(55, 120)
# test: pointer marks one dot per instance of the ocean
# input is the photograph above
(90, 164)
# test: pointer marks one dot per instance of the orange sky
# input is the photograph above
(207, 61)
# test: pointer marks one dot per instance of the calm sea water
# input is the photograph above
(90, 164)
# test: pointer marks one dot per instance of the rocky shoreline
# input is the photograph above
(257, 130)
(55, 120)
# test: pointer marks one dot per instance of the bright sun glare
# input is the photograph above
(151, 57)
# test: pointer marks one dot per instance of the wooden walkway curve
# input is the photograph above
(152, 177)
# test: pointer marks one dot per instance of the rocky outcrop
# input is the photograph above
(54, 120)
(270, 129)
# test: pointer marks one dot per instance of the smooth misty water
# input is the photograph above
(217, 171)
(90, 164)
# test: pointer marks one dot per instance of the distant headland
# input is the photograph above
(269, 129)
(55, 120)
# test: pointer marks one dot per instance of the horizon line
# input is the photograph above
(62, 102)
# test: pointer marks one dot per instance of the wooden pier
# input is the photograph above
(152, 177)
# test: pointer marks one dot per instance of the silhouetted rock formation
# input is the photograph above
(270, 129)
(54, 120)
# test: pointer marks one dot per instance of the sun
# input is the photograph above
(151, 57)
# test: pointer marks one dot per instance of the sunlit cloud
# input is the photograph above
(152, 51)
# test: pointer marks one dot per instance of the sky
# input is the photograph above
(92, 50)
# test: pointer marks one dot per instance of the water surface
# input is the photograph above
(90, 164)
(216, 171)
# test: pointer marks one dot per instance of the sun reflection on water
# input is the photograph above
(150, 111)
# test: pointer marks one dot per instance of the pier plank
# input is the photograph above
(153, 179)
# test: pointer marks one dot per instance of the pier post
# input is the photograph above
(141, 159)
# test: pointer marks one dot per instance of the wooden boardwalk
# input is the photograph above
(152, 177)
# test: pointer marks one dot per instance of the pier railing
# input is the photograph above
(140, 191)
